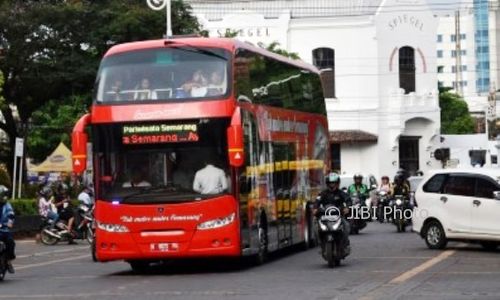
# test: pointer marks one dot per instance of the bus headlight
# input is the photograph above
(112, 227)
(217, 223)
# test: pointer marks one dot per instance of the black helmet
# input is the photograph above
(62, 187)
(332, 178)
(398, 178)
(358, 176)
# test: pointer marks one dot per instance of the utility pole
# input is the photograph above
(458, 56)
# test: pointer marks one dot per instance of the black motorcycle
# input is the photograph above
(357, 220)
(401, 212)
(51, 233)
(330, 230)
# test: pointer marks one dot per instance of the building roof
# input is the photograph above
(352, 136)
(217, 9)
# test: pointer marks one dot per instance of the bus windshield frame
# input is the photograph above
(168, 74)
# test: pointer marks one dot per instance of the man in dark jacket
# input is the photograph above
(6, 223)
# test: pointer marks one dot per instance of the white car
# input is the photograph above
(458, 204)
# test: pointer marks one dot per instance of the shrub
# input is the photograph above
(24, 207)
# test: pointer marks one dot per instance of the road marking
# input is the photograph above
(421, 268)
(51, 262)
(51, 252)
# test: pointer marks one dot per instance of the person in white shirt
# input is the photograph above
(85, 197)
(210, 180)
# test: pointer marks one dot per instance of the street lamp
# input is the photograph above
(159, 5)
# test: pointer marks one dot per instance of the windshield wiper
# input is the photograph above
(189, 48)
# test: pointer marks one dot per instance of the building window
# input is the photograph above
(460, 83)
(453, 38)
(407, 69)
(440, 53)
(440, 38)
(462, 53)
(462, 36)
(324, 60)
(440, 84)
(462, 68)
(440, 69)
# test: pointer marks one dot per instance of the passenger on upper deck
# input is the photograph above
(143, 91)
(197, 85)
(217, 85)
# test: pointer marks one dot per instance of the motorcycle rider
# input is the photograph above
(400, 187)
(333, 195)
(6, 223)
(85, 196)
(64, 209)
(45, 205)
(358, 187)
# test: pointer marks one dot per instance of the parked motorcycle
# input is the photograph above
(356, 220)
(330, 232)
(3, 260)
(401, 212)
(383, 202)
(52, 234)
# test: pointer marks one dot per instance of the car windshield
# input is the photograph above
(157, 162)
(167, 74)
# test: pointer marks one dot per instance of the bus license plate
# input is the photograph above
(164, 247)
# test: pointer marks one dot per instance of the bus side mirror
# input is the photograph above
(235, 145)
(79, 149)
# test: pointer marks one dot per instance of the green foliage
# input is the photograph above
(274, 47)
(53, 49)
(52, 124)
(455, 117)
(24, 207)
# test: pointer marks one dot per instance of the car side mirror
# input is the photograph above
(496, 195)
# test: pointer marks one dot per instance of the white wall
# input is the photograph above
(460, 145)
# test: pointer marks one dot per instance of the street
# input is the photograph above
(383, 265)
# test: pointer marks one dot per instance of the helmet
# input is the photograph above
(3, 194)
(398, 178)
(45, 191)
(358, 176)
(385, 177)
(332, 178)
(62, 187)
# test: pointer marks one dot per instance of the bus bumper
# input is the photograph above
(220, 242)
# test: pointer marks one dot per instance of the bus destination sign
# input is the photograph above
(159, 134)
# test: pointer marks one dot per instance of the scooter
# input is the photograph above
(52, 234)
(383, 201)
(330, 232)
(357, 219)
(401, 212)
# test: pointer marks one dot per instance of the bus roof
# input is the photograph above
(225, 43)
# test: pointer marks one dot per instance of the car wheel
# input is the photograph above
(434, 235)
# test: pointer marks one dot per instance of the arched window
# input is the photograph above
(407, 69)
(324, 60)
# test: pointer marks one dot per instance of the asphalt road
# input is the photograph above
(383, 265)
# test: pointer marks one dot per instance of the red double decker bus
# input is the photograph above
(202, 147)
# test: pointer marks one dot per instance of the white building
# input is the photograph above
(379, 62)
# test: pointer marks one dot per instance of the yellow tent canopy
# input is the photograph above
(58, 161)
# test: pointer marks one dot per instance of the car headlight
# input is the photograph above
(399, 202)
(217, 223)
(112, 227)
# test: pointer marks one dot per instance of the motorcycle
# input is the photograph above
(330, 232)
(356, 220)
(51, 233)
(3, 260)
(400, 215)
(383, 201)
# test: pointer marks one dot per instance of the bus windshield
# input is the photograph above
(156, 162)
(163, 74)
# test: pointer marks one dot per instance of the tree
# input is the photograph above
(455, 117)
(274, 47)
(53, 49)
